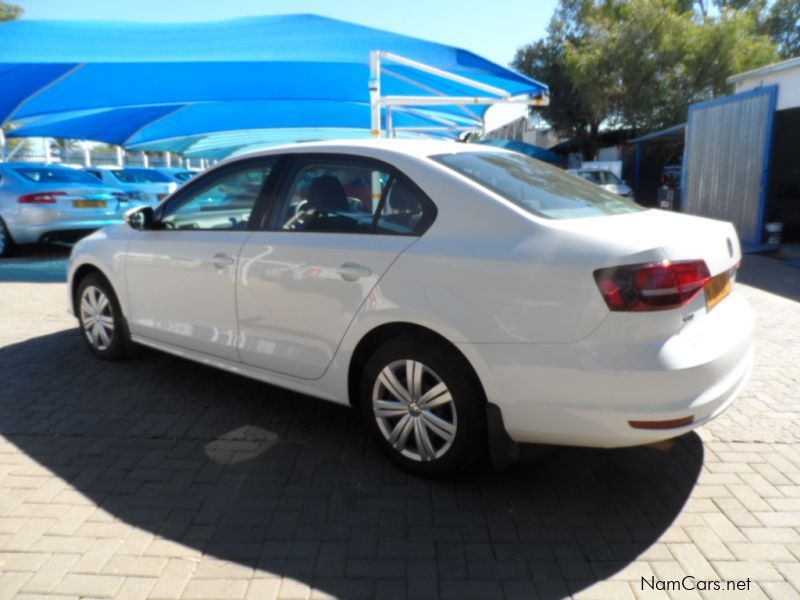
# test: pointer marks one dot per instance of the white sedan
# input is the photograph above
(463, 298)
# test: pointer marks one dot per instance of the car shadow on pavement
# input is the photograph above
(287, 484)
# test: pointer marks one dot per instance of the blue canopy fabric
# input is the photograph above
(136, 126)
(113, 79)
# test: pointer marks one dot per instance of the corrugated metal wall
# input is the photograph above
(727, 154)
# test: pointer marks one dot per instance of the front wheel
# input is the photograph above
(101, 319)
(424, 406)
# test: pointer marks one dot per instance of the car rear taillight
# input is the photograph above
(652, 286)
(43, 198)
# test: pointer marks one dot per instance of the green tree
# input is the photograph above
(639, 64)
(9, 12)
(782, 24)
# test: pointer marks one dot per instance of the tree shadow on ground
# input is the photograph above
(38, 263)
(287, 484)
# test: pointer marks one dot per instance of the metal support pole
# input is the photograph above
(120, 156)
(375, 92)
(2, 145)
(87, 157)
(145, 160)
(389, 122)
(168, 159)
(47, 157)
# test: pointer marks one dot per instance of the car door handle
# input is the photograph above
(222, 260)
(351, 271)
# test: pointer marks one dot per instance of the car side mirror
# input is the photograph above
(140, 218)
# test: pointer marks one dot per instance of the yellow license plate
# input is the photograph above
(716, 289)
(89, 203)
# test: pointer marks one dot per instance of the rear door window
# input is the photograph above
(539, 188)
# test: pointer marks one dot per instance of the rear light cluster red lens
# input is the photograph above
(652, 286)
(43, 198)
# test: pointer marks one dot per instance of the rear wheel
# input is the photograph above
(6, 243)
(101, 319)
(424, 406)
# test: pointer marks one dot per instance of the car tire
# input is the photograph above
(434, 426)
(103, 327)
(6, 242)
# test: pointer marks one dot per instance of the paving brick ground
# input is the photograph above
(159, 478)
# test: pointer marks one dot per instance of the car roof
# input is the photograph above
(411, 147)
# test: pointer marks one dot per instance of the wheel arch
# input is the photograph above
(79, 275)
(381, 334)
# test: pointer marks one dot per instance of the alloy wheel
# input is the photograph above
(96, 317)
(414, 410)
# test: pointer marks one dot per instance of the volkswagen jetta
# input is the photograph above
(463, 298)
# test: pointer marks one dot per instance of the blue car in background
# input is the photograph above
(139, 183)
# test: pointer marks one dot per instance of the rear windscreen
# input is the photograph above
(537, 187)
(55, 175)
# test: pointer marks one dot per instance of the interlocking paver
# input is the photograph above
(161, 479)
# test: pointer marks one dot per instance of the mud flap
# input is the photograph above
(502, 449)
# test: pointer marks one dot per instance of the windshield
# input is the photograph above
(140, 176)
(537, 187)
(600, 177)
(55, 175)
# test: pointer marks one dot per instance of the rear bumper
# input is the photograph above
(587, 393)
(66, 230)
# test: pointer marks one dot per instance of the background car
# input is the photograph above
(605, 179)
(177, 174)
(45, 202)
(140, 184)
(484, 299)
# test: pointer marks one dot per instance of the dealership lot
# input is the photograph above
(160, 478)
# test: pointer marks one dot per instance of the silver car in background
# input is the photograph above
(139, 183)
(45, 203)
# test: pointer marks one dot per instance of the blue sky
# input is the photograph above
(493, 29)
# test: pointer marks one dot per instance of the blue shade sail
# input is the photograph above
(133, 82)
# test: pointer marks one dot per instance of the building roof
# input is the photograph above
(769, 69)
(670, 134)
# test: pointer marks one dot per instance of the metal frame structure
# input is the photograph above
(377, 68)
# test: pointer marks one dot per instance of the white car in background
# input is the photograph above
(140, 184)
(461, 297)
(606, 180)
